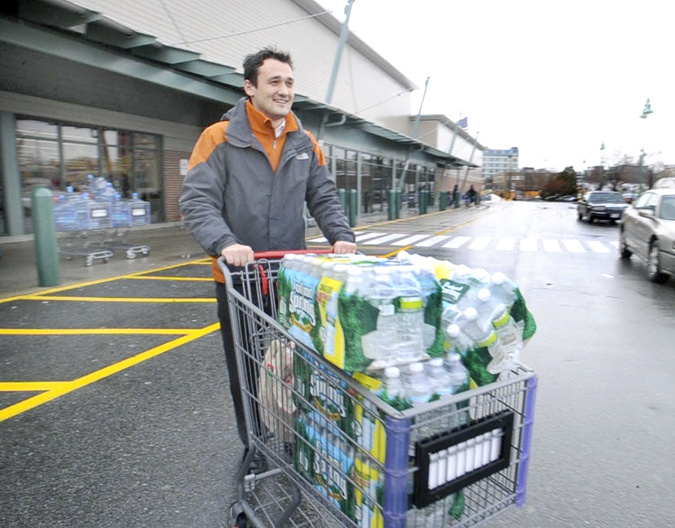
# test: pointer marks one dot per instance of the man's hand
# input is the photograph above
(341, 247)
(238, 254)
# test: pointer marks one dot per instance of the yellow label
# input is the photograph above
(372, 384)
(327, 297)
(502, 320)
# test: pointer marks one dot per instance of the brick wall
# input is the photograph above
(173, 182)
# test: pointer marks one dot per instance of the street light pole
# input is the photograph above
(602, 165)
(645, 113)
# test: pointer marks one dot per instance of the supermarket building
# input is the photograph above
(123, 89)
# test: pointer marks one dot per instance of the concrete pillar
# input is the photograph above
(11, 178)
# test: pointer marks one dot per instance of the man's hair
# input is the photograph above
(253, 62)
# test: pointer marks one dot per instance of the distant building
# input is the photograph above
(498, 162)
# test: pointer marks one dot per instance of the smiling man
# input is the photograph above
(248, 179)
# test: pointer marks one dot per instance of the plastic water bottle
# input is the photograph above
(458, 374)
(503, 289)
(380, 345)
(510, 338)
(419, 389)
(120, 214)
(457, 340)
(140, 210)
(393, 384)
(411, 316)
(480, 331)
(441, 381)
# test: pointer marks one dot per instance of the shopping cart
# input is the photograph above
(340, 456)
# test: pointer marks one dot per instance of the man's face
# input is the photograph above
(274, 94)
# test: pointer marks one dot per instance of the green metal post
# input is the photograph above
(46, 249)
(442, 200)
(391, 200)
(399, 197)
(342, 196)
(424, 201)
(455, 198)
(353, 206)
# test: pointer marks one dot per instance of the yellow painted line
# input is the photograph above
(397, 251)
(168, 278)
(94, 282)
(119, 299)
(66, 387)
(451, 229)
(97, 331)
(31, 386)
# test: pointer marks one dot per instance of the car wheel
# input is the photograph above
(654, 272)
(623, 247)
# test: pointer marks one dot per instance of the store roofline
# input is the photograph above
(63, 29)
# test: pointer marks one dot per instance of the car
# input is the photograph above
(601, 205)
(647, 229)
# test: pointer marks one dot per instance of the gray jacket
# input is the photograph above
(233, 196)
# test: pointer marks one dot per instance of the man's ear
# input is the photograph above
(249, 89)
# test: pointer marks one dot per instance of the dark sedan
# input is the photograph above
(601, 205)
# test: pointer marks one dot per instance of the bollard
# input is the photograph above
(391, 202)
(456, 198)
(353, 206)
(342, 196)
(424, 201)
(44, 226)
(399, 197)
(442, 200)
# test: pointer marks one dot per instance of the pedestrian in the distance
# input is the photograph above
(248, 178)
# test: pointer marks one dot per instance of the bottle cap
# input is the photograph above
(392, 372)
(484, 294)
(498, 277)
(453, 331)
(436, 362)
(416, 367)
(471, 313)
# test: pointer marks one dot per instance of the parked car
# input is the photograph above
(647, 229)
(601, 205)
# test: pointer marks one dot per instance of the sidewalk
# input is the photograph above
(169, 243)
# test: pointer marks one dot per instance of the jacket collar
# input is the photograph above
(240, 134)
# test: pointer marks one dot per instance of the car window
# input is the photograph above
(605, 198)
(668, 208)
(642, 201)
(652, 202)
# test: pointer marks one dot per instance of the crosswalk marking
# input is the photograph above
(505, 244)
(384, 239)
(574, 246)
(366, 236)
(480, 243)
(431, 241)
(552, 246)
(528, 244)
(483, 243)
(597, 246)
(409, 240)
(457, 242)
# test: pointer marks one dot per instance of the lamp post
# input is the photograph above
(645, 113)
(602, 166)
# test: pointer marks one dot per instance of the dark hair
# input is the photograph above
(253, 62)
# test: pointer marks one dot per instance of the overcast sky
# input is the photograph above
(555, 79)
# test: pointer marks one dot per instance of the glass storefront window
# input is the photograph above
(36, 129)
(79, 160)
(79, 134)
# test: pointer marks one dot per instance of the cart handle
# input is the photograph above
(280, 253)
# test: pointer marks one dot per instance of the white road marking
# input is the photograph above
(528, 244)
(480, 243)
(505, 244)
(432, 241)
(597, 246)
(457, 242)
(574, 246)
(384, 239)
(552, 246)
(410, 240)
(366, 236)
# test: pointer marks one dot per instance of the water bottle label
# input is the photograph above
(411, 304)
(331, 330)
(453, 291)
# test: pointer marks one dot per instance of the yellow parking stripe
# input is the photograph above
(31, 386)
(118, 299)
(66, 387)
(169, 278)
(97, 331)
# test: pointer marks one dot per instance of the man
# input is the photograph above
(248, 178)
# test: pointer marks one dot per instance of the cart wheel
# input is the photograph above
(146, 252)
(105, 260)
(238, 516)
(131, 254)
(88, 261)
